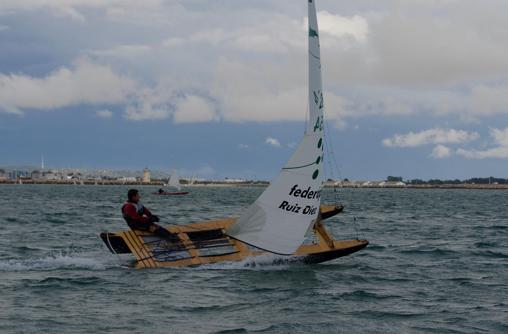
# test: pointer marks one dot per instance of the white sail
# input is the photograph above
(174, 181)
(279, 219)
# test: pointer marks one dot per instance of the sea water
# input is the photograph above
(437, 263)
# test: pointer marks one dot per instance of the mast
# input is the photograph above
(279, 219)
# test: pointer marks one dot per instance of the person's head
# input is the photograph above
(133, 195)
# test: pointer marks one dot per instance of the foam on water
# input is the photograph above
(261, 262)
(63, 260)
(58, 261)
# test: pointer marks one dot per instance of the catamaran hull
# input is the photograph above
(206, 243)
(335, 253)
(120, 244)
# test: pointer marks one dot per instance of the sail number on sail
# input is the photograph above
(303, 193)
(318, 99)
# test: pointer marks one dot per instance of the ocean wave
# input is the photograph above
(429, 251)
(376, 247)
(485, 244)
(56, 262)
(499, 227)
(241, 330)
(58, 282)
(366, 295)
(232, 331)
(491, 254)
(391, 313)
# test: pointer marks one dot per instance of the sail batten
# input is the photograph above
(298, 167)
(279, 219)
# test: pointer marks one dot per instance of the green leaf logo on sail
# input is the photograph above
(313, 33)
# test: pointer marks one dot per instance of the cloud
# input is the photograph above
(277, 35)
(104, 113)
(355, 54)
(123, 51)
(243, 146)
(267, 92)
(84, 82)
(193, 109)
(431, 136)
(408, 45)
(59, 8)
(337, 29)
(272, 142)
(168, 100)
(148, 104)
(488, 99)
(388, 58)
(499, 151)
(76, 9)
(499, 138)
(440, 152)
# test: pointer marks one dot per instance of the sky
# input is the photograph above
(218, 88)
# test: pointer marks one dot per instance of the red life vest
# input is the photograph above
(139, 209)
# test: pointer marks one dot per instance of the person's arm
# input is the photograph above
(151, 218)
(146, 212)
(130, 211)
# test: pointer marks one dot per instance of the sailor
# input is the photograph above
(161, 191)
(138, 217)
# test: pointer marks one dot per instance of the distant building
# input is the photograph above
(228, 180)
(73, 176)
(3, 174)
(146, 176)
(50, 175)
(331, 183)
(127, 179)
(36, 174)
(350, 184)
(18, 174)
(391, 184)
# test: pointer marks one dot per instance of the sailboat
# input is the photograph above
(174, 182)
(276, 223)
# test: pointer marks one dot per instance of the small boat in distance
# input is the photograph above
(281, 221)
(174, 182)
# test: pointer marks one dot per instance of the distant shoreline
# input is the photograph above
(219, 184)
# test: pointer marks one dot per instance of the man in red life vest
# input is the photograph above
(140, 218)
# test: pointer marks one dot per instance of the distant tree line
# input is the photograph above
(474, 180)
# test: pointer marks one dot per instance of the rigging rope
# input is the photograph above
(333, 166)
(112, 249)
